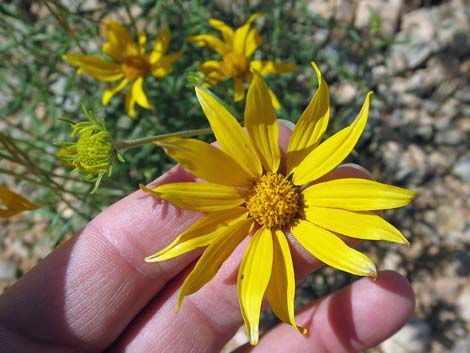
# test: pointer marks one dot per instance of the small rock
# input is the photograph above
(463, 265)
(379, 72)
(450, 137)
(462, 168)
(343, 10)
(393, 261)
(451, 222)
(419, 25)
(387, 11)
(462, 345)
(414, 165)
(414, 337)
(445, 289)
(463, 303)
(346, 92)
(8, 271)
(409, 54)
(449, 110)
(442, 160)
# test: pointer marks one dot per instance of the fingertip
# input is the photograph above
(396, 284)
(349, 170)
(284, 135)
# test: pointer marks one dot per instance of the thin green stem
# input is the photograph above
(124, 145)
(131, 18)
(63, 22)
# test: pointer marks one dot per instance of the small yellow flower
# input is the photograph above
(247, 190)
(129, 63)
(236, 48)
(13, 203)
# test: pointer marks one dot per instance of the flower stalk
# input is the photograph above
(125, 145)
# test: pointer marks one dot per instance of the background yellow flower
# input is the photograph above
(236, 48)
(130, 64)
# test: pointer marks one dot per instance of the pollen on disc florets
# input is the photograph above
(135, 66)
(273, 201)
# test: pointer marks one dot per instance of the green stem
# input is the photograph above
(131, 18)
(124, 145)
(63, 22)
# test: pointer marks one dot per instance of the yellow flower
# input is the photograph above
(248, 190)
(236, 48)
(13, 203)
(130, 64)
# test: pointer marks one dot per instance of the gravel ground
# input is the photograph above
(418, 138)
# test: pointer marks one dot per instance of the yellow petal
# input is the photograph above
(94, 66)
(142, 39)
(238, 90)
(265, 67)
(139, 95)
(205, 161)
(14, 203)
(161, 45)
(329, 154)
(274, 100)
(227, 31)
(110, 92)
(213, 257)
(202, 197)
(212, 78)
(201, 233)
(311, 126)
(253, 41)
(8, 213)
(209, 41)
(331, 250)
(356, 194)
(229, 134)
(212, 65)
(240, 38)
(281, 287)
(162, 67)
(119, 42)
(213, 70)
(361, 225)
(261, 124)
(253, 279)
(129, 104)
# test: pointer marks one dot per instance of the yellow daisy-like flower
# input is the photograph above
(236, 48)
(130, 64)
(13, 203)
(247, 190)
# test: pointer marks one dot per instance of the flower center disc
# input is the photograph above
(273, 201)
(236, 64)
(94, 151)
(135, 66)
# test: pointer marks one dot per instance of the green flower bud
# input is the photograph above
(95, 152)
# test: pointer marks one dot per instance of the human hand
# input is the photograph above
(95, 293)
